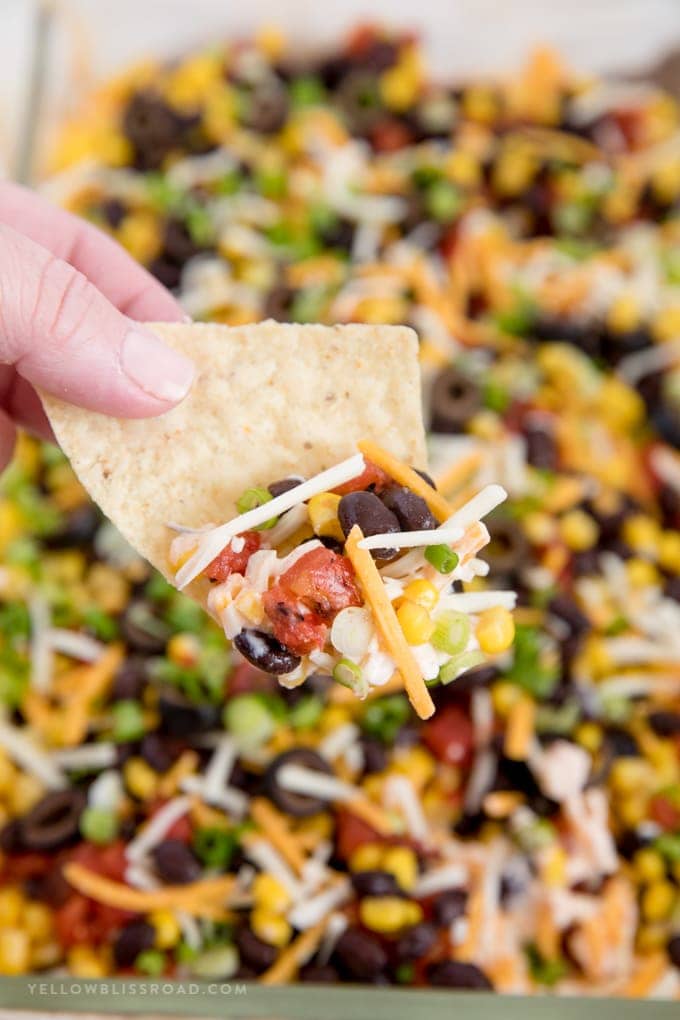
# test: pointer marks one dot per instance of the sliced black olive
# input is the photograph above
(154, 129)
(295, 804)
(142, 630)
(264, 651)
(373, 517)
(253, 951)
(181, 717)
(360, 954)
(54, 821)
(175, 862)
(666, 419)
(416, 941)
(265, 108)
(621, 744)
(541, 448)
(455, 400)
(508, 550)
(411, 510)
(133, 939)
(449, 906)
(456, 974)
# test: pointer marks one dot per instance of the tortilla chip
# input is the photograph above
(269, 401)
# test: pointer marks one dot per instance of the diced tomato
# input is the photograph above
(182, 829)
(450, 736)
(84, 921)
(352, 832)
(22, 866)
(108, 861)
(323, 581)
(390, 135)
(230, 562)
(296, 627)
(665, 813)
(361, 39)
(372, 475)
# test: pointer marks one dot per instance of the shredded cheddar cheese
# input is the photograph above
(520, 729)
(274, 826)
(291, 959)
(388, 624)
(405, 475)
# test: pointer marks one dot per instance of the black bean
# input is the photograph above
(375, 883)
(156, 752)
(411, 510)
(265, 108)
(295, 804)
(375, 755)
(78, 529)
(455, 400)
(130, 680)
(666, 419)
(181, 717)
(669, 503)
(284, 485)
(339, 234)
(359, 99)
(277, 305)
(581, 334)
(360, 954)
(456, 974)
(372, 516)
(318, 974)
(175, 862)
(52, 888)
(674, 950)
(54, 821)
(253, 951)
(585, 563)
(153, 128)
(621, 744)
(665, 724)
(166, 272)
(133, 939)
(416, 941)
(113, 211)
(264, 651)
(142, 630)
(564, 607)
(10, 837)
(449, 906)
(672, 589)
(630, 841)
(541, 448)
(179, 245)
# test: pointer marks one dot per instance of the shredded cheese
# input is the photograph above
(292, 958)
(275, 827)
(520, 729)
(459, 471)
(478, 507)
(388, 624)
(155, 830)
(200, 899)
(30, 757)
(412, 539)
(213, 542)
(405, 475)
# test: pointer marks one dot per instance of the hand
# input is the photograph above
(70, 299)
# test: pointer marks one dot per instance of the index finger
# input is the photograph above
(128, 286)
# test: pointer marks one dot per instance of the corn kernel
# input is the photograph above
(415, 622)
(167, 928)
(666, 181)
(323, 514)
(399, 87)
(503, 696)
(269, 894)
(11, 906)
(641, 573)
(271, 928)
(658, 901)
(539, 527)
(479, 104)
(7, 774)
(554, 866)
(589, 736)
(384, 914)
(271, 41)
(140, 778)
(109, 589)
(416, 763)
(578, 530)
(366, 857)
(669, 551)
(632, 810)
(463, 168)
(666, 325)
(619, 404)
(495, 630)
(629, 775)
(648, 865)
(191, 82)
(333, 717)
(641, 533)
(651, 937)
(413, 913)
(10, 523)
(25, 793)
(184, 649)
(624, 314)
(422, 592)
(140, 234)
(37, 921)
(15, 951)
(85, 962)
(401, 862)
(45, 954)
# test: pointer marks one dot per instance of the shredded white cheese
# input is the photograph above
(308, 913)
(412, 539)
(478, 507)
(23, 749)
(155, 830)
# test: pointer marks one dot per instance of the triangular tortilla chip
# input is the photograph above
(269, 400)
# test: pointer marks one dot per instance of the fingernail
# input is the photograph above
(153, 366)
(187, 320)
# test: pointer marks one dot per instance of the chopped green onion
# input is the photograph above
(272, 182)
(384, 718)
(451, 632)
(215, 847)
(442, 558)
(405, 973)
(306, 712)
(443, 201)
(557, 719)
(452, 669)
(100, 623)
(252, 498)
(184, 953)
(545, 971)
(199, 223)
(349, 675)
(98, 825)
(128, 721)
(669, 846)
(151, 962)
(230, 183)
(217, 962)
(307, 91)
(535, 835)
(249, 720)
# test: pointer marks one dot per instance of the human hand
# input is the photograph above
(70, 298)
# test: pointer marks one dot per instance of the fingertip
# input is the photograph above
(8, 437)
(151, 365)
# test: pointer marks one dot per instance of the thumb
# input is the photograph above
(62, 335)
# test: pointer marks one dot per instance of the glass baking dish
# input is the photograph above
(53, 53)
